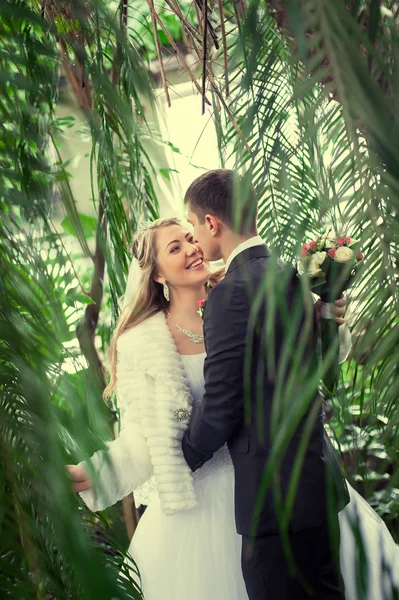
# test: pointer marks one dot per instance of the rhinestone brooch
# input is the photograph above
(181, 414)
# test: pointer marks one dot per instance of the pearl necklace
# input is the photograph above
(196, 338)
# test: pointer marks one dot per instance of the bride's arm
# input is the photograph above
(115, 472)
(125, 464)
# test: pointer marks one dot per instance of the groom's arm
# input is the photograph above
(225, 327)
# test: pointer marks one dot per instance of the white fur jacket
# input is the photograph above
(155, 403)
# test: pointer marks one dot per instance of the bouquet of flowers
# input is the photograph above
(330, 265)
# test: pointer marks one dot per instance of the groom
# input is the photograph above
(260, 382)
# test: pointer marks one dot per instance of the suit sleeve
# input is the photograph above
(225, 327)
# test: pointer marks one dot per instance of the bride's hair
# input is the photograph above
(149, 298)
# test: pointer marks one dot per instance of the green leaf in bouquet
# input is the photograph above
(320, 287)
(339, 277)
(325, 265)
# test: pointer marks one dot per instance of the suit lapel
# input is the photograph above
(261, 251)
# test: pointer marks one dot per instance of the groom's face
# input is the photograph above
(204, 234)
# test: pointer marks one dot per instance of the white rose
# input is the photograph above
(330, 244)
(313, 268)
(344, 254)
(319, 257)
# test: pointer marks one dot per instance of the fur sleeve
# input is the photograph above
(126, 464)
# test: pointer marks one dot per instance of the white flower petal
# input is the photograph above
(344, 254)
(319, 257)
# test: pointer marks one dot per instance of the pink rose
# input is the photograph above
(312, 245)
(360, 256)
(305, 250)
(332, 252)
(201, 303)
(343, 240)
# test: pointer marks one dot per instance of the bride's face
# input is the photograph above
(180, 259)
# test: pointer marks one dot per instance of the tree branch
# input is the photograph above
(86, 329)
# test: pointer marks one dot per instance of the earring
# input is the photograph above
(165, 291)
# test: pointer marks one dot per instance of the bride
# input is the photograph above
(186, 545)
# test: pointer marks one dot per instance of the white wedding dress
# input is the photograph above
(196, 555)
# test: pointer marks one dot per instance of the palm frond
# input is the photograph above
(51, 415)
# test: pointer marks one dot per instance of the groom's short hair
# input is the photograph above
(226, 195)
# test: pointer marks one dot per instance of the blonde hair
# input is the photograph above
(149, 298)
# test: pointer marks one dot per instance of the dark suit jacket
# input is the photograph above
(261, 387)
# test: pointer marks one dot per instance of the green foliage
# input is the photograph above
(51, 407)
(320, 145)
(317, 165)
(369, 453)
(44, 548)
(25, 59)
(87, 224)
(142, 31)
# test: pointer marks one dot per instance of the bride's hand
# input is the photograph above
(338, 309)
(79, 477)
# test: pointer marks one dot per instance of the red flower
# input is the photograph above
(305, 250)
(343, 240)
(360, 256)
(201, 308)
(332, 252)
(312, 245)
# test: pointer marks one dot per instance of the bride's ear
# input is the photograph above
(213, 224)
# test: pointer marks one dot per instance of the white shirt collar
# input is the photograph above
(253, 241)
